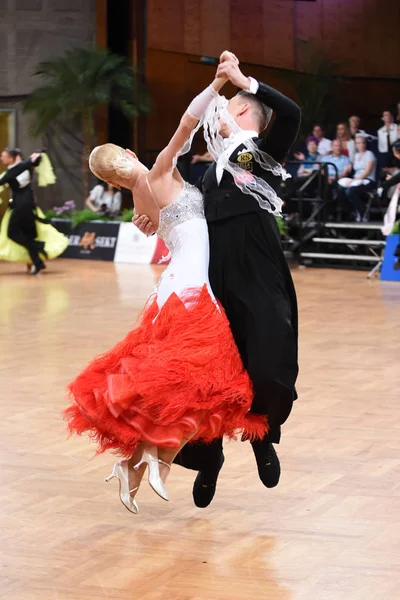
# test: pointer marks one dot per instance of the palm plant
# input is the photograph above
(75, 86)
(313, 84)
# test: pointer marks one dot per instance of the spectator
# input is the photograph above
(397, 119)
(309, 159)
(340, 160)
(306, 169)
(205, 158)
(324, 145)
(387, 135)
(352, 189)
(348, 145)
(354, 126)
(394, 178)
(104, 199)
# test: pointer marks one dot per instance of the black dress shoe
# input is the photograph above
(35, 270)
(205, 485)
(269, 468)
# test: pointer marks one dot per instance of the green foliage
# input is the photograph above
(85, 215)
(396, 228)
(50, 214)
(313, 84)
(77, 84)
(127, 215)
(281, 225)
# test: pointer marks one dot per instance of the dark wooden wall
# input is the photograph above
(175, 78)
(362, 38)
(361, 35)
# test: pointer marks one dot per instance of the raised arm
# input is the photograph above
(285, 127)
(166, 159)
(287, 114)
(19, 168)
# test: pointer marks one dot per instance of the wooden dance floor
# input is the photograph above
(329, 531)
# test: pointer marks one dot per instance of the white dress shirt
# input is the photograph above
(100, 196)
(231, 143)
(324, 146)
(383, 137)
(236, 139)
(23, 178)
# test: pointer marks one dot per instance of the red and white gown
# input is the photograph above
(178, 374)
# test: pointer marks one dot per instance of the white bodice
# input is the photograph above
(183, 228)
(187, 206)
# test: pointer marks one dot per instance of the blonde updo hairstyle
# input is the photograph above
(110, 163)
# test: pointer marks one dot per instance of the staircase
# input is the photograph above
(344, 245)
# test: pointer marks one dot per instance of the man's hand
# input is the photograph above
(229, 69)
(226, 56)
(144, 224)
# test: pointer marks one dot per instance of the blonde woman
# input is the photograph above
(178, 376)
(343, 134)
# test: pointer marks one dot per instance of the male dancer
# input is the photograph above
(22, 226)
(249, 274)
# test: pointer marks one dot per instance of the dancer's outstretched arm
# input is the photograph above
(166, 159)
(19, 168)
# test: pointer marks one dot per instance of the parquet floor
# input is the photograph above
(329, 531)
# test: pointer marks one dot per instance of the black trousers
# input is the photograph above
(22, 230)
(353, 198)
(250, 277)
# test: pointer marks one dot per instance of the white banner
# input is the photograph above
(136, 248)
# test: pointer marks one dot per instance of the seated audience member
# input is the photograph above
(387, 135)
(343, 169)
(324, 145)
(199, 165)
(348, 144)
(388, 186)
(306, 169)
(354, 126)
(340, 160)
(352, 189)
(397, 119)
(309, 158)
(205, 158)
(104, 199)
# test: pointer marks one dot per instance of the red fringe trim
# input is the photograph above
(177, 375)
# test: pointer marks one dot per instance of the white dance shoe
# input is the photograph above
(158, 470)
(127, 496)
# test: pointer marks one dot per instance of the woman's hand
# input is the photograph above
(226, 55)
(144, 224)
(35, 156)
(229, 69)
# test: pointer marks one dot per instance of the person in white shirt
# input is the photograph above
(105, 199)
(352, 189)
(387, 135)
(324, 145)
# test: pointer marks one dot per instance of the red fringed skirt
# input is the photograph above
(177, 375)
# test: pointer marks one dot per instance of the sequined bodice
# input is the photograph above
(187, 206)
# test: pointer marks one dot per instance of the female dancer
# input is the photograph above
(24, 232)
(178, 376)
